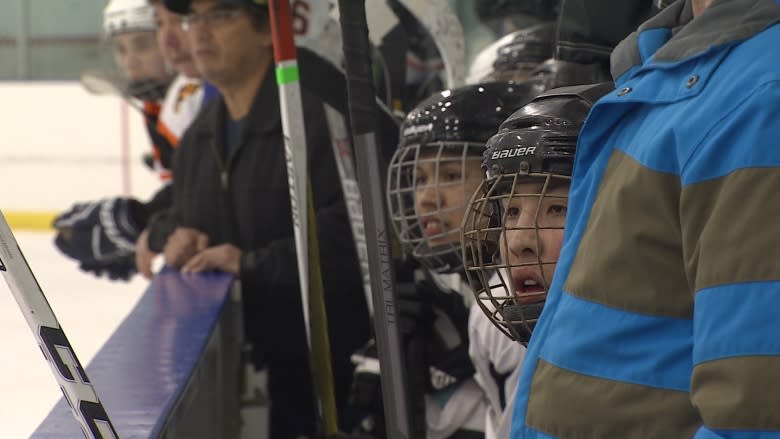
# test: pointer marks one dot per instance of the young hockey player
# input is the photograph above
(661, 318)
(512, 236)
(102, 234)
(506, 16)
(144, 74)
(129, 28)
(514, 56)
(433, 172)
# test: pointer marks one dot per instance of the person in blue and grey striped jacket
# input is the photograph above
(661, 320)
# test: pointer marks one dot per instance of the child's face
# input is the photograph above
(138, 56)
(442, 187)
(531, 237)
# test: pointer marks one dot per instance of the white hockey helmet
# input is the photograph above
(127, 16)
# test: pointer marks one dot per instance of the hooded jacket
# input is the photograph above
(661, 318)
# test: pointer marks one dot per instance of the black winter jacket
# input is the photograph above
(244, 200)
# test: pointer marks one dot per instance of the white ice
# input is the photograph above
(88, 308)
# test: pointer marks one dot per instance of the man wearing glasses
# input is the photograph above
(231, 207)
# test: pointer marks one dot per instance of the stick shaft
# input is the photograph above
(304, 224)
(67, 369)
(361, 108)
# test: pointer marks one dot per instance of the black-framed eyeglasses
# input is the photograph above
(215, 16)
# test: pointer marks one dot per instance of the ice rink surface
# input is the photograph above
(88, 309)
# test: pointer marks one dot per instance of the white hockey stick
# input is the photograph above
(71, 376)
(303, 214)
(443, 25)
(328, 45)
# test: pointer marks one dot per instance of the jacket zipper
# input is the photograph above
(224, 168)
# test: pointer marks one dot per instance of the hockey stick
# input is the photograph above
(443, 25)
(71, 376)
(342, 150)
(100, 83)
(325, 47)
(304, 220)
(354, 30)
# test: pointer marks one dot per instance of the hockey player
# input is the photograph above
(661, 318)
(129, 27)
(506, 16)
(514, 56)
(433, 172)
(102, 235)
(145, 74)
(512, 235)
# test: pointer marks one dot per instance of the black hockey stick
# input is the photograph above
(356, 47)
(71, 376)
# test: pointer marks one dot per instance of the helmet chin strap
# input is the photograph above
(521, 319)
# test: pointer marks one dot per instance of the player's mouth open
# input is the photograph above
(432, 226)
(529, 286)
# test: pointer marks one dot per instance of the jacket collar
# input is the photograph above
(264, 115)
(674, 35)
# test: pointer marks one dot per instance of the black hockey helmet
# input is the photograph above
(555, 73)
(437, 166)
(470, 113)
(536, 144)
(525, 51)
(539, 138)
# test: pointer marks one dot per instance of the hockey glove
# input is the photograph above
(446, 343)
(101, 232)
(120, 269)
(365, 396)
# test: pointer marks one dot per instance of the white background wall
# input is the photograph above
(59, 144)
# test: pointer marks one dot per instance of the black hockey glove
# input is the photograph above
(446, 342)
(120, 269)
(365, 396)
(434, 328)
(100, 233)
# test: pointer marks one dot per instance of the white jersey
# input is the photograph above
(462, 406)
(497, 360)
(181, 104)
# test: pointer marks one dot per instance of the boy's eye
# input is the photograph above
(512, 212)
(557, 210)
(451, 176)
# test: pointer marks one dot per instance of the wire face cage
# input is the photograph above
(428, 187)
(511, 235)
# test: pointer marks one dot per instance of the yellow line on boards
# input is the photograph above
(29, 220)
